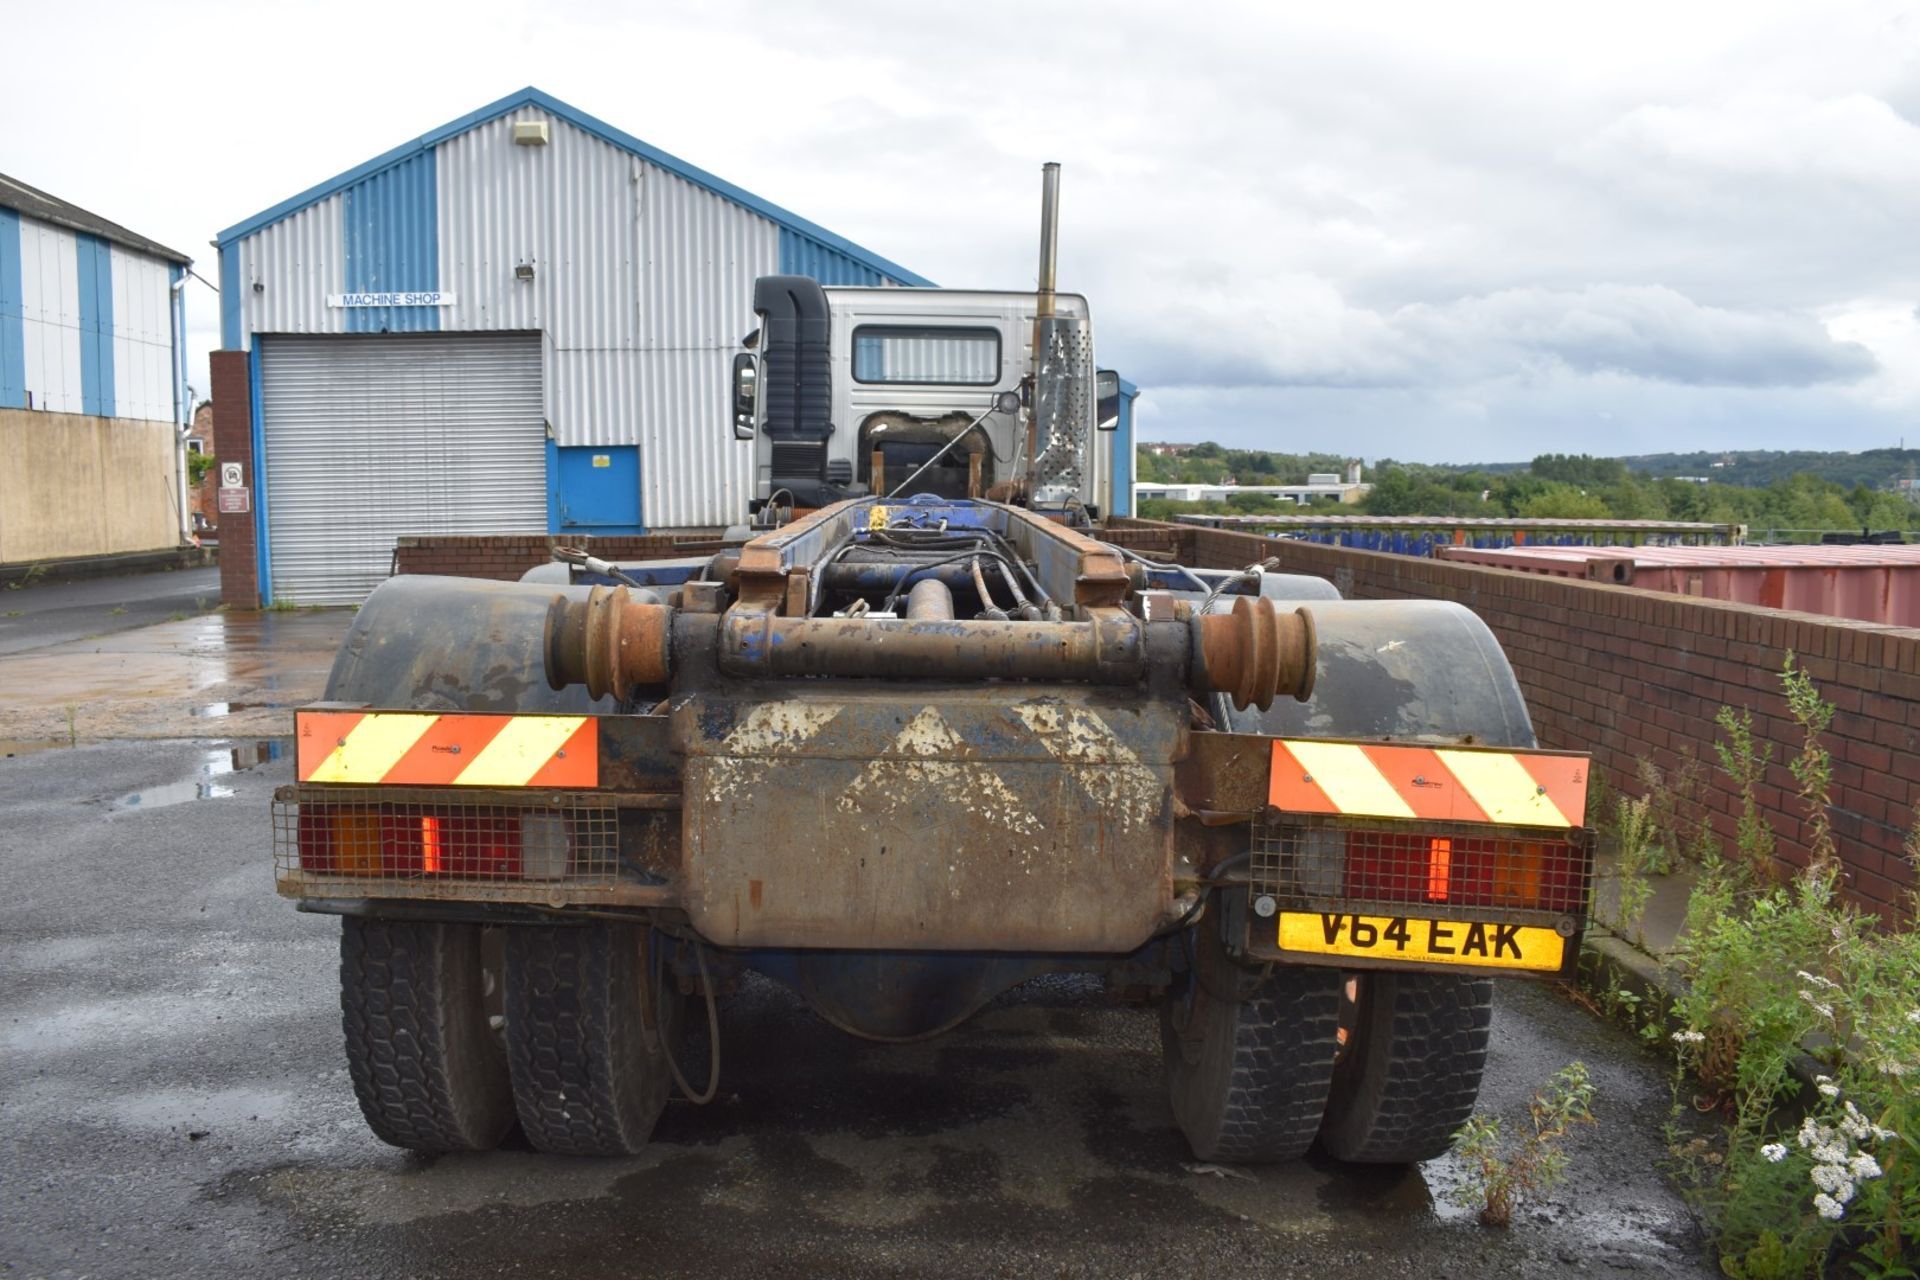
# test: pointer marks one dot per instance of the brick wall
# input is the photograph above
(233, 442)
(1630, 675)
(507, 556)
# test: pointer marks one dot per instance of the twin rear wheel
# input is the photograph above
(453, 1032)
(1378, 1068)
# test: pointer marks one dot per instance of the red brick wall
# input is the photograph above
(507, 556)
(233, 442)
(1630, 674)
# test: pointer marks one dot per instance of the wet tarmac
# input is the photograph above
(173, 1102)
(216, 675)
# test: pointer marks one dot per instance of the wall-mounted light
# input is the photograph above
(529, 133)
(523, 272)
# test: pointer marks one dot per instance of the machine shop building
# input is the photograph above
(93, 390)
(521, 322)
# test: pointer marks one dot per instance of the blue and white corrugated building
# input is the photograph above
(90, 324)
(519, 322)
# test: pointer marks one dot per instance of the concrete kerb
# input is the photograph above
(124, 564)
(1609, 962)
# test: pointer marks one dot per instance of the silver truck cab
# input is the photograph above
(848, 392)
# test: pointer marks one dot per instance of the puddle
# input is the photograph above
(214, 710)
(214, 764)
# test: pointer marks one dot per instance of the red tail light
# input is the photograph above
(368, 842)
(1465, 871)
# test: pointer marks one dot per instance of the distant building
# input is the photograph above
(521, 322)
(93, 396)
(1300, 494)
(203, 498)
(1168, 450)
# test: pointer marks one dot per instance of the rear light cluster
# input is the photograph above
(1441, 865)
(455, 845)
(421, 836)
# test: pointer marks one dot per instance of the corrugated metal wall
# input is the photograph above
(50, 316)
(142, 338)
(640, 281)
(85, 326)
(802, 255)
(287, 270)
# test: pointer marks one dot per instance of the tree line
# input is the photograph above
(1552, 486)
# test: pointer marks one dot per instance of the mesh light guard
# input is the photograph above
(1444, 870)
(435, 842)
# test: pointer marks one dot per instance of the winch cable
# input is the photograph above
(1192, 577)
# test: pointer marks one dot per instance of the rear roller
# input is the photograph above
(426, 1065)
(1411, 1071)
(591, 1018)
(1249, 1058)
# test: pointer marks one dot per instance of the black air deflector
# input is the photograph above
(796, 378)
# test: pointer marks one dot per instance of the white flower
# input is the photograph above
(1688, 1037)
(1855, 1125)
(1882, 1134)
(1824, 1010)
(1863, 1167)
(1828, 1177)
(1830, 1153)
(1774, 1153)
(1913, 1016)
(1812, 1133)
(1829, 1208)
(1817, 980)
(1828, 1089)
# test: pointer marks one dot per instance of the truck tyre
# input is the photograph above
(1249, 1058)
(429, 1070)
(589, 1024)
(1411, 1071)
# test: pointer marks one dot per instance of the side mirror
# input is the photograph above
(746, 386)
(1106, 398)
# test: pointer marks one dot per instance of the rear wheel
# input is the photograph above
(590, 1018)
(427, 1067)
(1411, 1071)
(1249, 1056)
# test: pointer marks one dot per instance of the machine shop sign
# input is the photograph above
(432, 298)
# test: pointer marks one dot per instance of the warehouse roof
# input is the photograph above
(598, 128)
(36, 204)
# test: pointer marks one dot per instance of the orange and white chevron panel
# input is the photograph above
(424, 749)
(1520, 788)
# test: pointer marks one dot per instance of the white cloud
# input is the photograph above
(1393, 228)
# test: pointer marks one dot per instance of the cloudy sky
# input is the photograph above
(1434, 232)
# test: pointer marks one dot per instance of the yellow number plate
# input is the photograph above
(1492, 946)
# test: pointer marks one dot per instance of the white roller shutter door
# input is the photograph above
(372, 438)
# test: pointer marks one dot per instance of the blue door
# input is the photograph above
(597, 489)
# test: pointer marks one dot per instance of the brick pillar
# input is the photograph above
(233, 442)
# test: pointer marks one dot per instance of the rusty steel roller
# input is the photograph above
(1255, 653)
(609, 642)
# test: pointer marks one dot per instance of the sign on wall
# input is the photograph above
(235, 502)
(230, 477)
(425, 299)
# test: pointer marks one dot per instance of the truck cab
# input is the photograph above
(856, 392)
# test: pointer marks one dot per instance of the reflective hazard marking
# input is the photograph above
(407, 748)
(1446, 784)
